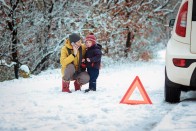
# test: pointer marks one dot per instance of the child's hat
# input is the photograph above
(91, 37)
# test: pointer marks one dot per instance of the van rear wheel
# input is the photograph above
(172, 91)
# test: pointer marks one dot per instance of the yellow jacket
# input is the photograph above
(67, 58)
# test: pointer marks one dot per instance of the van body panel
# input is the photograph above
(193, 31)
(193, 38)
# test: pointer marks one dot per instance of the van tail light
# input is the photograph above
(182, 20)
(179, 62)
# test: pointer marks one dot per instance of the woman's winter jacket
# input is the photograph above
(67, 58)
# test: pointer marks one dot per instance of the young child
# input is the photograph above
(92, 60)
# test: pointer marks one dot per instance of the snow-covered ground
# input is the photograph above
(37, 103)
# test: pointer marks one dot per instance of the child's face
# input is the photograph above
(89, 43)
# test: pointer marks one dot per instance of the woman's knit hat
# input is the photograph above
(74, 37)
(91, 37)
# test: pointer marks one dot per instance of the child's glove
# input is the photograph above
(83, 66)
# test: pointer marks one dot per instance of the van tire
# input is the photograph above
(172, 91)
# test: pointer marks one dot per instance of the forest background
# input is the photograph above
(32, 32)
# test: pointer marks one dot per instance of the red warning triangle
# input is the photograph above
(136, 83)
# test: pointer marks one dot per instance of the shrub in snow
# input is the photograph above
(24, 71)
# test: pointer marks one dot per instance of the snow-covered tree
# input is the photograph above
(131, 28)
(32, 32)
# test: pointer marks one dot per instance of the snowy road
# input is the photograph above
(37, 103)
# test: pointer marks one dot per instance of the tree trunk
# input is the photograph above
(128, 44)
(11, 26)
(14, 52)
(130, 37)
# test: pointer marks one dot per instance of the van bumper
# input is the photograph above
(184, 76)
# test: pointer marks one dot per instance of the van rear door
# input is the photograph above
(193, 31)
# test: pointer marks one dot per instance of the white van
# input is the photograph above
(180, 71)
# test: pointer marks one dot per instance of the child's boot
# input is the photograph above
(92, 87)
(87, 90)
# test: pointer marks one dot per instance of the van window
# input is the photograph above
(194, 11)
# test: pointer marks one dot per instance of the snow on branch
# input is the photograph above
(3, 2)
(166, 11)
(4, 63)
(146, 3)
